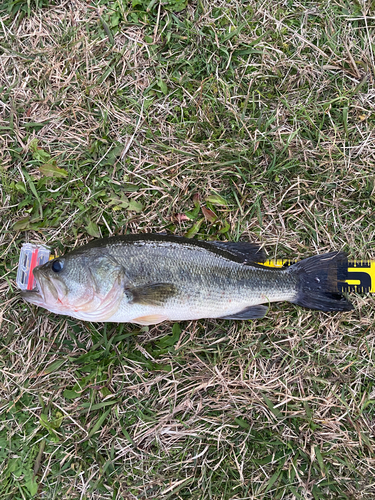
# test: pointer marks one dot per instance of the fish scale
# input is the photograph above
(212, 285)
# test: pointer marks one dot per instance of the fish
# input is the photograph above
(150, 278)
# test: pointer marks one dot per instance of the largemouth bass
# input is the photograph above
(147, 279)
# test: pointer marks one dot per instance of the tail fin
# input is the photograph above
(318, 282)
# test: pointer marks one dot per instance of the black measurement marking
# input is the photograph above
(364, 285)
(288, 263)
(364, 264)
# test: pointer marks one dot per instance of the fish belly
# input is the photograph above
(198, 305)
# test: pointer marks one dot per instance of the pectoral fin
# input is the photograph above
(252, 312)
(155, 294)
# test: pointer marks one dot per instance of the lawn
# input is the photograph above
(229, 120)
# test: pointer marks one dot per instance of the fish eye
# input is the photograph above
(57, 266)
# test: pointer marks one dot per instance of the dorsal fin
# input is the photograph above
(242, 251)
(249, 253)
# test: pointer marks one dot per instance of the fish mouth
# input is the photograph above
(44, 288)
(33, 297)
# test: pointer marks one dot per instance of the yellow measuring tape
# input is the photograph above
(361, 274)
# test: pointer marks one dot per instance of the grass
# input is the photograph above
(226, 120)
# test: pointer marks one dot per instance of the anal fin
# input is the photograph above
(252, 312)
